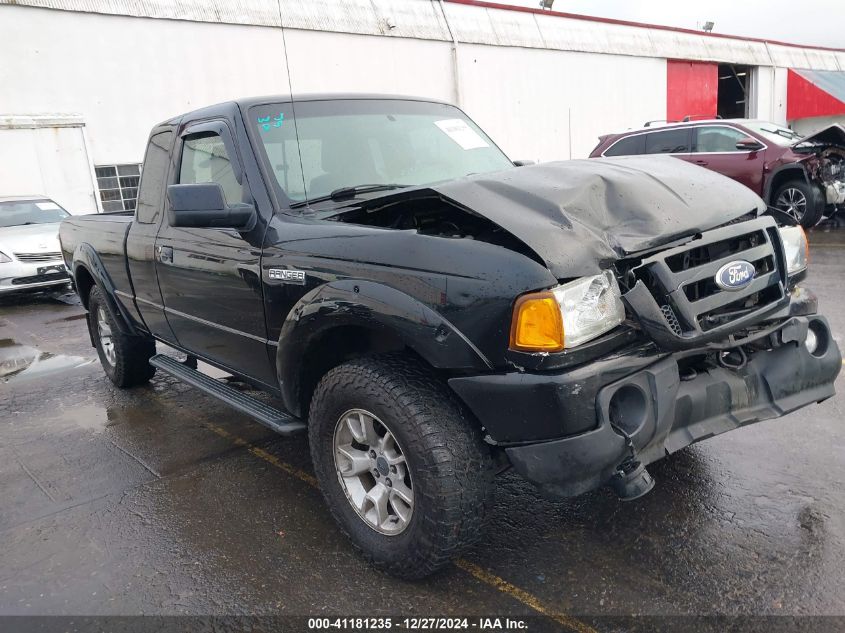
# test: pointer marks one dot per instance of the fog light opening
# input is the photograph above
(627, 409)
(818, 339)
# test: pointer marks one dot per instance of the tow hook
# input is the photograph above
(631, 480)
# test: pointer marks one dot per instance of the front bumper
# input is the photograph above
(656, 400)
(16, 275)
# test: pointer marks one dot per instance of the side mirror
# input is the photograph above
(203, 205)
(749, 144)
(524, 163)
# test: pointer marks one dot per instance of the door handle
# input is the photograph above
(164, 254)
(701, 162)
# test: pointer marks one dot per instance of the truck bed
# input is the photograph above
(106, 234)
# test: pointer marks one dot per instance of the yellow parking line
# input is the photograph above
(267, 457)
(520, 595)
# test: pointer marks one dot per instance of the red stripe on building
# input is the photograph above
(805, 99)
(692, 89)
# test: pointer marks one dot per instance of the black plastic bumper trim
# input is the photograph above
(679, 413)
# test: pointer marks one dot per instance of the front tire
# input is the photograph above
(125, 359)
(404, 472)
(800, 199)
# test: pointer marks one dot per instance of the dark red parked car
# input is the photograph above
(803, 176)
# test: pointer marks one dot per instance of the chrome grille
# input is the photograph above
(682, 280)
(37, 257)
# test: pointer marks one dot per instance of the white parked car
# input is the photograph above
(30, 255)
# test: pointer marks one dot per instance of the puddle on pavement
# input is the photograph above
(22, 362)
(87, 416)
(830, 232)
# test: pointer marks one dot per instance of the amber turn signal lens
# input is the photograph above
(537, 325)
(806, 245)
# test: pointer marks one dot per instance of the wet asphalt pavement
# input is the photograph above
(160, 501)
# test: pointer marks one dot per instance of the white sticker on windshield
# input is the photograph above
(461, 133)
(47, 206)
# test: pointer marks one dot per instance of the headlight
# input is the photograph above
(568, 315)
(796, 248)
(4, 259)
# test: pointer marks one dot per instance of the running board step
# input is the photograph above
(270, 417)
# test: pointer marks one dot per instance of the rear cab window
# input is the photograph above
(153, 175)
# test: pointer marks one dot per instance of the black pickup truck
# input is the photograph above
(432, 313)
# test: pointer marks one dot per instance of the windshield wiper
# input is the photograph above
(349, 192)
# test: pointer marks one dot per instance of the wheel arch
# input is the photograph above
(783, 174)
(88, 270)
(345, 319)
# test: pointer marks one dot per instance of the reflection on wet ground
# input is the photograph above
(829, 232)
(22, 362)
(159, 500)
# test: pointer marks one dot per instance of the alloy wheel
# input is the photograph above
(792, 201)
(373, 472)
(104, 334)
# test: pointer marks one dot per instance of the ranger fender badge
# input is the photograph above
(287, 275)
(735, 275)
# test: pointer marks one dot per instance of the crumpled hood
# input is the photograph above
(581, 215)
(831, 135)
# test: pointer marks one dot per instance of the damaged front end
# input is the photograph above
(719, 335)
(824, 162)
(712, 333)
(676, 295)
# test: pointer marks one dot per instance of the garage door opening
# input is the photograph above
(732, 99)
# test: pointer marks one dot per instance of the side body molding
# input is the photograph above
(375, 307)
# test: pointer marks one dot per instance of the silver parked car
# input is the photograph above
(30, 255)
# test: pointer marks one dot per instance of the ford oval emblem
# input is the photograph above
(735, 275)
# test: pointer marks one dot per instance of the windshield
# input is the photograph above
(775, 133)
(21, 212)
(347, 143)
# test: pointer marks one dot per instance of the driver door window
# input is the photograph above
(717, 139)
(204, 159)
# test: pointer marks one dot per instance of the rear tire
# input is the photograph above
(402, 414)
(125, 359)
(801, 200)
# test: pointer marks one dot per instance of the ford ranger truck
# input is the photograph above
(432, 314)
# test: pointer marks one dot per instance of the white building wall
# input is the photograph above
(551, 105)
(545, 87)
(814, 124)
(125, 74)
(47, 156)
(779, 95)
(339, 62)
(528, 99)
